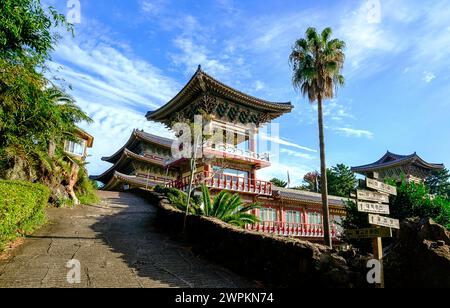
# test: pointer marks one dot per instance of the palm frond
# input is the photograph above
(206, 197)
(317, 62)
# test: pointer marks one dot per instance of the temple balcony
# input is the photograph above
(293, 229)
(230, 149)
(217, 181)
(237, 154)
(228, 152)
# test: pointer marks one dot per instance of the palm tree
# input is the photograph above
(228, 208)
(278, 183)
(317, 62)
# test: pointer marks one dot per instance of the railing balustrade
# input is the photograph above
(292, 229)
(230, 149)
(225, 182)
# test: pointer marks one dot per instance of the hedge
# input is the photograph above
(22, 209)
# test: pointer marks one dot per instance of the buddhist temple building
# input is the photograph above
(393, 166)
(228, 163)
(139, 163)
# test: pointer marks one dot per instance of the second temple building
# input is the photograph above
(228, 163)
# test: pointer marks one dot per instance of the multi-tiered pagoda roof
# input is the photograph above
(139, 163)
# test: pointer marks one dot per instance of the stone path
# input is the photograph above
(117, 246)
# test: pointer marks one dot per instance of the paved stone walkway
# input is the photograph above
(116, 245)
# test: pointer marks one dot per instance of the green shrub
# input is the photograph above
(22, 209)
(413, 200)
(86, 189)
(178, 199)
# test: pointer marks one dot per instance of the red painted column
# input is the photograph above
(252, 148)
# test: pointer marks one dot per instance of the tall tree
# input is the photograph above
(438, 183)
(341, 180)
(27, 30)
(317, 62)
(312, 181)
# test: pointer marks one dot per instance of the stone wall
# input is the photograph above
(272, 260)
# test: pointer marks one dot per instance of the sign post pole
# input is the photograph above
(378, 255)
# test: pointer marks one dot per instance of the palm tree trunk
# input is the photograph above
(323, 171)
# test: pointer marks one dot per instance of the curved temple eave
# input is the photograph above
(202, 82)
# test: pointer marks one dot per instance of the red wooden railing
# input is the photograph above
(225, 182)
(292, 229)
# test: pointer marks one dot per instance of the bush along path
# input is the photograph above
(22, 209)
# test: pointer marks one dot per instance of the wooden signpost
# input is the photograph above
(374, 208)
(381, 187)
(375, 203)
(372, 196)
(382, 221)
(368, 233)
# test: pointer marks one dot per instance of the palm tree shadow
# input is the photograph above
(159, 260)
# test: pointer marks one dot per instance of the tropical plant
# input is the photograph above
(278, 183)
(178, 199)
(228, 208)
(225, 206)
(317, 61)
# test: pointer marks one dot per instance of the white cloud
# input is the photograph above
(281, 141)
(153, 7)
(259, 85)
(297, 154)
(116, 89)
(366, 40)
(428, 77)
(351, 132)
(335, 110)
(100, 69)
(193, 54)
(280, 170)
(111, 129)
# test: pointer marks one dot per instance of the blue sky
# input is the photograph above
(129, 57)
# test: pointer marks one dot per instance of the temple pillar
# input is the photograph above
(281, 217)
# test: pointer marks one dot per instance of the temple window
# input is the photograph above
(294, 217)
(75, 148)
(314, 218)
(231, 172)
(266, 214)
